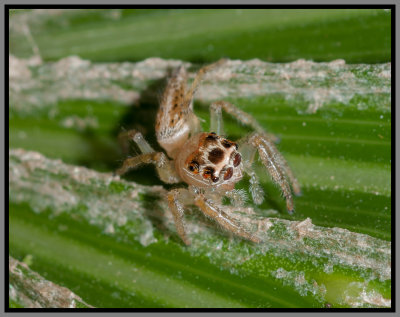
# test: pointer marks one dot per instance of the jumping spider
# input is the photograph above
(210, 164)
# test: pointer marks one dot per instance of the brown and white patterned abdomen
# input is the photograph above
(175, 115)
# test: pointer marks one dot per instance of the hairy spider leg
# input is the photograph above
(178, 198)
(164, 166)
(175, 198)
(197, 80)
(272, 160)
(124, 137)
(293, 180)
(285, 166)
(239, 115)
(248, 153)
(215, 212)
(216, 121)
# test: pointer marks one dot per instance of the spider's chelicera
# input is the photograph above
(210, 164)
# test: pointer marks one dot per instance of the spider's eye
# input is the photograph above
(193, 166)
(208, 172)
(237, 160)
(228, 173)
(226, 144)
(212, 136)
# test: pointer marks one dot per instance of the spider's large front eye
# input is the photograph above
(212, 136)
(237, 160)
(193, 167)
(227, 144)
(228, 173)
(214, 178)
(208, 172)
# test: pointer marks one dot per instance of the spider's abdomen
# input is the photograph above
(175, 115)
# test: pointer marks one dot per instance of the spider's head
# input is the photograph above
(210, 160)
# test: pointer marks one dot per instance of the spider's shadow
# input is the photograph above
(142, 117)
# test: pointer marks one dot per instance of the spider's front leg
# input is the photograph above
(214, 211)
(276, 165)
(177, 198)
(164, 166)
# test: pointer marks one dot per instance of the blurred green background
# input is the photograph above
(202, 36)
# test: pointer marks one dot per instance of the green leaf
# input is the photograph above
(205, 35)
(103, 231)
(113, 242)
(29, 289)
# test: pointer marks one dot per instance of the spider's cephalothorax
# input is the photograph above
(209, 160)
(208, 163)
